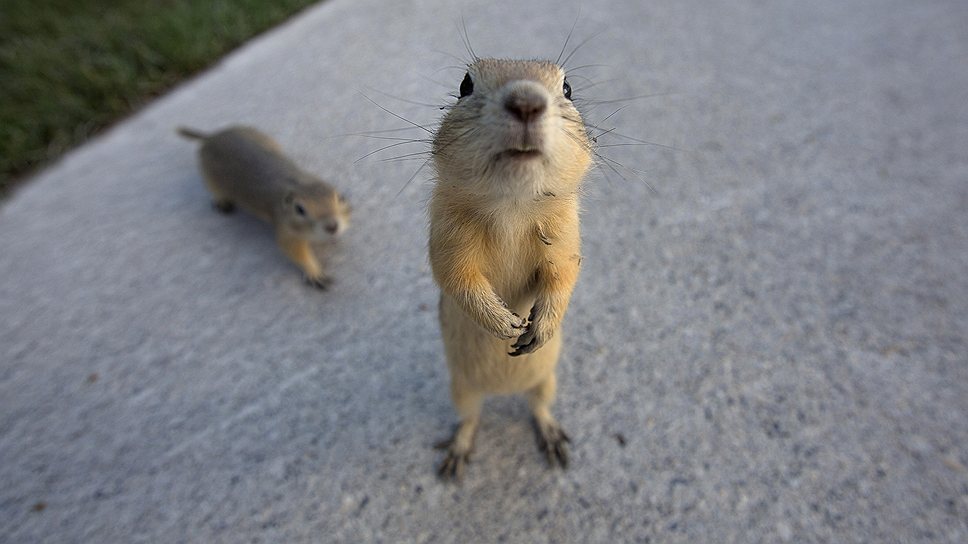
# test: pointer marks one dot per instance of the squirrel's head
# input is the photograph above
(513, 132)
(315, 212)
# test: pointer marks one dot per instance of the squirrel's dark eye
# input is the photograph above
(300, 210)
(466, 86)
(566, 89)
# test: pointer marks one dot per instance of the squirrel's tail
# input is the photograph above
(192, 133)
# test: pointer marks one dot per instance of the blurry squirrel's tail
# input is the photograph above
(192, 133)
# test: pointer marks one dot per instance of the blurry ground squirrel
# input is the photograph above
(504, 241)
(242, 166)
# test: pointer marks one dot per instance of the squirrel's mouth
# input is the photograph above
(520, 154)
(524, 146)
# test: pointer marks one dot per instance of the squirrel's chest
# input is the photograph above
(510, 257)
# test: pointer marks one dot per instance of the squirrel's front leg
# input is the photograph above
(556, 277)
(459, 277)
(481, 303)
(300, 252)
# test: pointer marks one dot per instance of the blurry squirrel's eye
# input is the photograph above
(566, 89)
(466, 86)
(300, 210)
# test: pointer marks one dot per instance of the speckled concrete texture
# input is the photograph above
(771, 347)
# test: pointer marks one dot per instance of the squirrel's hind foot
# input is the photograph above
(553, 442)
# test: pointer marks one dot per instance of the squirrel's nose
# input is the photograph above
(332, 227)
(525, 105)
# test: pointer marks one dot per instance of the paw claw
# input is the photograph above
(528, 341)
(319, 282)
(223, 206)
(553, 442)
(452, 467)
(522, 347)
(513, 327)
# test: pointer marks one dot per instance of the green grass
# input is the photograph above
(70, 67)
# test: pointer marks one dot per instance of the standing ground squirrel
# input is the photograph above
(243, 166)
(504, 240)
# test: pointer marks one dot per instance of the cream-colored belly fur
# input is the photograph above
(480, 361)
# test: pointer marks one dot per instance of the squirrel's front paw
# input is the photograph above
(533, 337)
(512, 326)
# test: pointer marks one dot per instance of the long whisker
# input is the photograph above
(433, 152)
(578, 77)
(400, 117)
(601, 163)
(620, 135)
(388, 95)
(366, 133)
(629, 99)
(608, 162)
(392, 138)
(587, 146)
(634, 171)
(613, 113)
(627, 144)
(407, 156)
(467, 40)
(567, 38)
(417, 157)
(462, 68)
(374, 152)
(583, 66)
(451, 55)
(454, 139)
(422, 166)
(592, 86)
(600, 134)
(579, 46)
(435, 82)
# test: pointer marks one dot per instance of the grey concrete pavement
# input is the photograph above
(770, 348)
